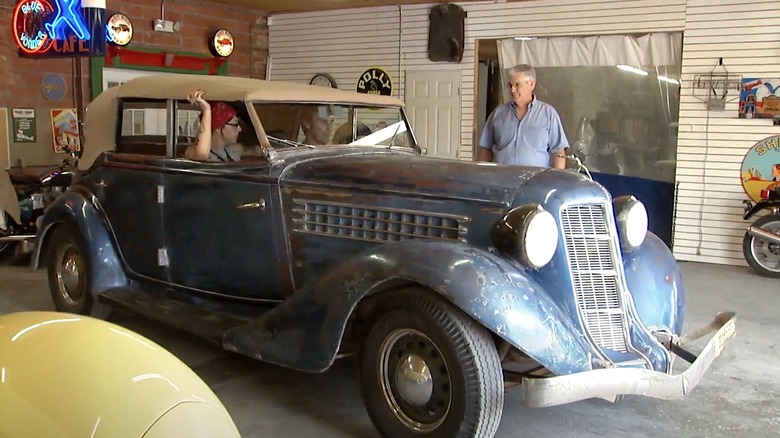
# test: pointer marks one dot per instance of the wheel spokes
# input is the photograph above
(767, 254)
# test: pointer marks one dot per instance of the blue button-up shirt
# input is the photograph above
(528, 141)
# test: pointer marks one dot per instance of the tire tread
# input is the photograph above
(468, 336)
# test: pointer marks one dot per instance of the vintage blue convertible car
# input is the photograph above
(450, 280)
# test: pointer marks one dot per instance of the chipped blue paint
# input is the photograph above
(535, 324)
(656, 285)
(77, 208)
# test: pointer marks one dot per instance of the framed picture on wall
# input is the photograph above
(65, 130)
(759, 98)
(23, 125)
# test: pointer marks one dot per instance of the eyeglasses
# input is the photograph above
(234, 124)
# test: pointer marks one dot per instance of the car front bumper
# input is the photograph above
(611, 383)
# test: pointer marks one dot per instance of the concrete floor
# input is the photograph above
(740, 396)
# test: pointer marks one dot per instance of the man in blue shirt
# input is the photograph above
(525, 131)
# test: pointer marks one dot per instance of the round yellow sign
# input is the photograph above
(761, 168)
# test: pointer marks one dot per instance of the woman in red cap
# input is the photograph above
(218, 135)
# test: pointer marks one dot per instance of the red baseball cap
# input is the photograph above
(221, 113)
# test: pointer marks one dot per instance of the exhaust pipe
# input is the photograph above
(17, 238)
(764, 235)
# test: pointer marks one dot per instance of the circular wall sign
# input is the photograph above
(53, 86)
(761, 167)
(221, 43)
(120, 30)
(28, 27)
(375, 81)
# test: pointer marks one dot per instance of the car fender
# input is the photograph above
(654, 279)
(80, 209)
(305, 332)
(115, 382)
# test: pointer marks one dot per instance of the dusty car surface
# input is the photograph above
(65, 375)
(450, 280)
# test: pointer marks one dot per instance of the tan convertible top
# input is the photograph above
(100, 116)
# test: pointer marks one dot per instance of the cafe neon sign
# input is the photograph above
(42, 25)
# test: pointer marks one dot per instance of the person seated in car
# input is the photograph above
(343, 134)
(316, 124)
(218, 135)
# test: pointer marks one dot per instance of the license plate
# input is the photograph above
(724, 335)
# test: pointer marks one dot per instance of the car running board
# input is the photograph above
(195, 320)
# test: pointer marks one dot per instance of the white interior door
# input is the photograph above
(433, 103)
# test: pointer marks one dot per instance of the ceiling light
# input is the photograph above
(524, 38)
(633, 70)
(669, 80)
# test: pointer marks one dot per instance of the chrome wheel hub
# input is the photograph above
(415, 380)
(69, 276)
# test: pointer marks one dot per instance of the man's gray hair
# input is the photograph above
(524, 69)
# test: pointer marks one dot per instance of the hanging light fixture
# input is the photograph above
(631, 69)
(663, 78)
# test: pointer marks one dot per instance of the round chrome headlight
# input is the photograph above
(632, 221)
(528, 233)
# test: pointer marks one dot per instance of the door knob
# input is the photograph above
(260, 204)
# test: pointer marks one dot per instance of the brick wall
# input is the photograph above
(20, 82)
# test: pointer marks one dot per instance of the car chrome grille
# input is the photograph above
(375, 224)
(594, 274)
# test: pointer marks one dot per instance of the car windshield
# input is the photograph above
(314, 125)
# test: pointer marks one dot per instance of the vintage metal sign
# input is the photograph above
(65, 130)
(50, 28)
(375, 81)
(761, 168)
(53, 86)
(119, 30)
(222, 43)
(759, 98)
(23, 125)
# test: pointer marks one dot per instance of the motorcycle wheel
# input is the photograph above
(761, 255)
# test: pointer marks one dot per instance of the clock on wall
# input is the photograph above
(323, 80)
(120, 30)
(221, 43)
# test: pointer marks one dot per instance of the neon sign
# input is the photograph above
(47, 28)
(68, 16)
(29, 25)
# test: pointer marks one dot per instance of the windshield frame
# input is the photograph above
(266, 143)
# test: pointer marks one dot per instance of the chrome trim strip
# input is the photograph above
(594, 269)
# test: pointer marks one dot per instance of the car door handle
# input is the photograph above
(260, 204)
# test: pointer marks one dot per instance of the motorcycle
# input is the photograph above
(761, 243)
(24, 198)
